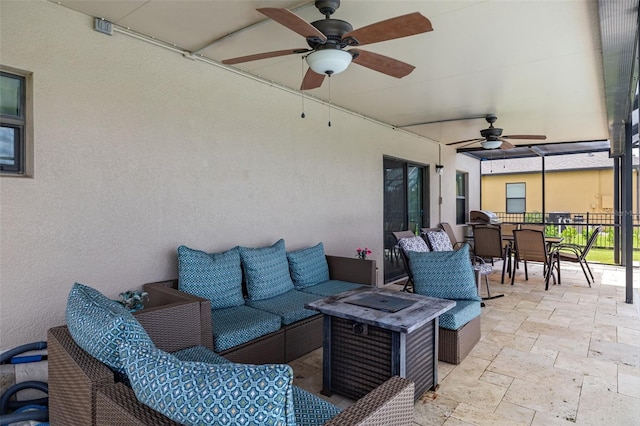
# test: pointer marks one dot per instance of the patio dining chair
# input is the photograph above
(577, 254)
(411, 243)
(532, 226)
(488, 245)
(530, 246)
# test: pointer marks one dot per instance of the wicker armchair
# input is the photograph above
(84, 391)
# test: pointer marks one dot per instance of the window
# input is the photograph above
(461, 197)
(516, 197)
(14, 130)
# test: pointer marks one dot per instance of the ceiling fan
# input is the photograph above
(492, 137)
(327, 39)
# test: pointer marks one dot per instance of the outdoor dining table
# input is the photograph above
(551, 241)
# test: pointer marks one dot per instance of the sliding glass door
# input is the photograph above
(405, 207)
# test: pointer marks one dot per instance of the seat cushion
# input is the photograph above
(200, 393)
(100, 325)
(266, 271)
(413, 244)
(241, 324)
(200, 354)
(444, 274)
(288, 306)
(462, 313)
(311, 410)
(308, 266)
(439, 240)
(331, 287)
(213, 276)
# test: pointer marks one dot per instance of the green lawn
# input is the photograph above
(606, 255)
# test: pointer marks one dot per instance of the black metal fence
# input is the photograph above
(576, 227)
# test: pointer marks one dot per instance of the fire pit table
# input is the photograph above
(372, 334)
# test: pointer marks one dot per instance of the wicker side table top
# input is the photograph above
(423, 310)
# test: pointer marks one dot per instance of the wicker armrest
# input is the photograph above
(174, 326)
(352, 270)
(117, 405)
(74, 378)
(391, 403)
(164, 293)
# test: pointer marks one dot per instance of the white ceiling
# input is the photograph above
(536, 64)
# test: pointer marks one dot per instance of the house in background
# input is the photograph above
(575, 183)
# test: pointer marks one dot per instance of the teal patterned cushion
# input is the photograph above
(196, 393)
(213, 276)
(444, 274)
(266, 271)
(241, 324)
(462, 313)
(331, 287)
(311, 410)
(308, 266)
(100, 325)
(200, 354)
(288, 306)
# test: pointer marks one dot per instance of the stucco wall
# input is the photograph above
(139, 150)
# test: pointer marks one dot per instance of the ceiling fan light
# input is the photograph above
(491, 144)
(329, 61)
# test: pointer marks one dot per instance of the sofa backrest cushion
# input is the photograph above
(308, 266)
(100, 325)
(266, 271)
(195, 393)
(213, 276)
(444, 274)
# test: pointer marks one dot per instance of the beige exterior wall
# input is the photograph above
(578, 191)
(139, 150)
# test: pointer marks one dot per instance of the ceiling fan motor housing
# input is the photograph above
(327, 7)
(491, 132)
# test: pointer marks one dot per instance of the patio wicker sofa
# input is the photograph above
(266, 322)
(96, 362)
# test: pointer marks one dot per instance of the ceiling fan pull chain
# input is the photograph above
(329, 78)
(302, 91)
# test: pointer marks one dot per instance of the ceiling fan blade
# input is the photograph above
(383, 64)
(312, 80)
(264, 55)
(532, 137)
(506, 144)
(468, 140)
(400, 26)
(471, 143)
(292, 21)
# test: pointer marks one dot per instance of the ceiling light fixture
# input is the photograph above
(329, 61)
(491, 144)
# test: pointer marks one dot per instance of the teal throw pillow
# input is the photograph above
(100, 325)
(196, 393)
(444, 274)
(213, 276)
(308, 266)
(266, 271)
